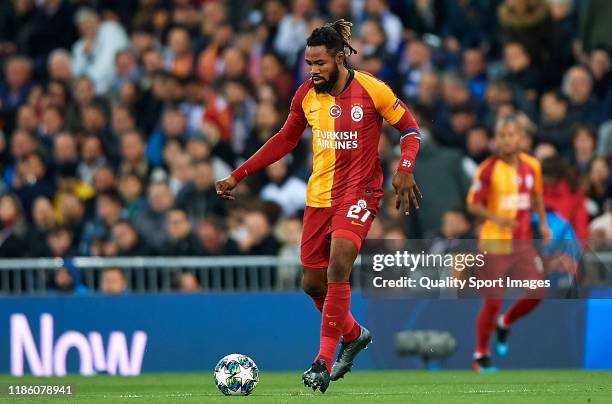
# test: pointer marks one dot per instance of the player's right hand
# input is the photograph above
(224, 187)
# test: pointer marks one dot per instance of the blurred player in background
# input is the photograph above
(506, 187)
(345, 108)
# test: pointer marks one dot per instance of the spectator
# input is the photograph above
(181, 172)
(94, 53)
(255, 237)
(213, 237)
(182, 241)
(152, 218)
(578, 86)
(198, 198)
(243, 109)
(600, 66)
(529, 23)
(597, 186)
(417, 60)
(584, 141)
(179, 58)
(15, 88)
(67, 280)
(522, 75)
(594, 28)
(52, 28)
(474, 71)
(564, 194)
(104, 179)
(174, 126)
(13, 228)
(292, 29)
(59, 243)
(43, 220)
(32, 180)
(72, 215)
(127, 240)
(379, 10)
(477, 144)
(283, 188)
(600, 229)
(374, 58)
(133, 154)
(187, 282)
(132, 188)
(289, 232)
(91, 158)
(59, 67)
(555, 123)
(108, 211)
(113, 281)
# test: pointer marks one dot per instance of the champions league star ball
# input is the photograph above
(236, 375)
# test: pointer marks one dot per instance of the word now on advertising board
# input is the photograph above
(130, 334)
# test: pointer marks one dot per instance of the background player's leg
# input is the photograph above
(520, 308)
(338, 300)
(485, 323)
(315, 285)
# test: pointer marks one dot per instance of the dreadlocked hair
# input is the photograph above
(335, 36)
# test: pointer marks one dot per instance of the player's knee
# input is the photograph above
(314, 289)
(339, 270)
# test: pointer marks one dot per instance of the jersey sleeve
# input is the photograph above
(481, 184)
(538, 187)
(281, 143)
(396, 113)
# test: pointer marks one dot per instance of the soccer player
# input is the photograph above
(506, 187)
(345, 108)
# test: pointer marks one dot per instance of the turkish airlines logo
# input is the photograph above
(357, 113)
(335, 111)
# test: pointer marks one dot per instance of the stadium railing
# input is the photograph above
(30, 276)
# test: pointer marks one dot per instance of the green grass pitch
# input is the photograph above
(533, 386)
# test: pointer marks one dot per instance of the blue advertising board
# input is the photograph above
(129, 334)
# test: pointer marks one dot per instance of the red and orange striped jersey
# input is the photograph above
(506, 191)
(345, 134)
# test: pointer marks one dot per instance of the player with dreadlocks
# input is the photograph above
(344, 108)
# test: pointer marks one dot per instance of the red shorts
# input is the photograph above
(351, 221)
(523, 263)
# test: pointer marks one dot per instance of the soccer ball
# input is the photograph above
(236, 375)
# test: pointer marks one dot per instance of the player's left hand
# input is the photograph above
(545, 232)
(406, 190)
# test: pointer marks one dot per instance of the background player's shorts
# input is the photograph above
(350, 220)
(522, 263)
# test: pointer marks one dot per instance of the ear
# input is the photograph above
(340, 56)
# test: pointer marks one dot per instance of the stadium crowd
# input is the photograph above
(117, 116)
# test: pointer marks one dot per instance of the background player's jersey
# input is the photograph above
(345, 134)
(507, 191)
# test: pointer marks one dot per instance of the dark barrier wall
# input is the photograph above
(132, 333)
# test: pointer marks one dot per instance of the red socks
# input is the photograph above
(519, 309)
(351, 329)
(485, 322)
(335, 314)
